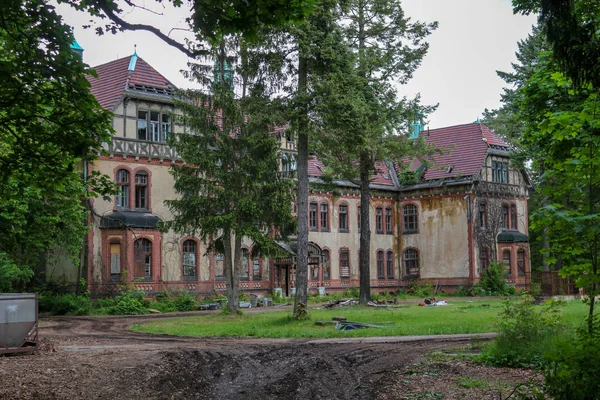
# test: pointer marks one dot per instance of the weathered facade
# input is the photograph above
(445, 226)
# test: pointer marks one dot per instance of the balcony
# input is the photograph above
(140, 149)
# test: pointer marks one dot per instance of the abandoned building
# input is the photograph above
(443, 224)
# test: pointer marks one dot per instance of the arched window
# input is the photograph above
(379, 220)
(343, 217)
(245, 259)
(411, 263)
(390, 265)
(122, 199)
(141, 190)
(190, 266)
(312, 216)
(507, 262)
(142, 249)
(521, 262)
(380, 270)
(513, 216)
(388, 220)
(411, 218)
(326, 264)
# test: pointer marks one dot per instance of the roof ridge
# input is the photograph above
(110, 62)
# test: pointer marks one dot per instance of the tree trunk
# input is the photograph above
(232, 270)
(302, 200)
(364, 265)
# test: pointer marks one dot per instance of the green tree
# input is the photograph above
(362, 115)
(230, 185)
(572, 28)
(49, 125)
(563, 129)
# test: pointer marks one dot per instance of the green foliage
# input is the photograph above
(526, 333)
(420, 288)
(574, 367)
(129, 303)
(49, 124)
(12, 276)
(64, 304)
(493, 281)
(351, 292)
(185, 302)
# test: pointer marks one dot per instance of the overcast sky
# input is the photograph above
(474, 39)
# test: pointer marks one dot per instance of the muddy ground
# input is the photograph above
(99, 358)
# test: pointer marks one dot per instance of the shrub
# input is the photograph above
(525, 333)
(421, 288)
(129, 303)
(185, 302)
(574, 367)
(351, 292)
(493, 281)
(64, 304)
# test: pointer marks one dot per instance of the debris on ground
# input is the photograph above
(350, 326)
(339, 318)
(341, 303)
(433, 302)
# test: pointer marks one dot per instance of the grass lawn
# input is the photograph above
(457, 317)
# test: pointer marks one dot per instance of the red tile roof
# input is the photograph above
(466, 149)
(316, 168)
(114, 79)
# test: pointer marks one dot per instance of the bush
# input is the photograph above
(185, 302)
(493, 281)
(526, 333)
(351, 292)
(129, 303)
(64, 304)
(574, 367)
(420, 288)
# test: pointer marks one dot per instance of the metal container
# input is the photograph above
(18, 322)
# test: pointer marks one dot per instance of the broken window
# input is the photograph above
(326, 264)
(122, 198)
(411, 263)
(189, 259)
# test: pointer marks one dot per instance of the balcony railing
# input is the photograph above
(140, 148)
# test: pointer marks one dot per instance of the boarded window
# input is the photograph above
(115, 261)
(326, 265)
(411, 262)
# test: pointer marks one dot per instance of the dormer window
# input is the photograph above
(500, 171)
(153, 125)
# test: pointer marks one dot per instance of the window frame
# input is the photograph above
(346, 252)
(485, 258)
(483, 215)
(245, 277)
(416, 260)
(184, 251)
(154, 130)
(389, 264)
(218, 257)
(313, 216)
(380, 259)
(345, 227)
(505, 216)
(521, 263)
(148, 258)
(326, 261)
(389, 221)
(379, 220)
(324, 216)
(256, 277)
(410, 221)
(513, 217)
(507, 265)
(143, 189)
(123, 197)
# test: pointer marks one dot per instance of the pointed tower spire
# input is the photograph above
(133, 60)
(77, 49)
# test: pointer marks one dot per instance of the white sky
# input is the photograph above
(474, 39)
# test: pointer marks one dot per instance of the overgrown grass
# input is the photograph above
(458, 317)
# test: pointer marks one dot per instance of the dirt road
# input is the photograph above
(99, 358)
